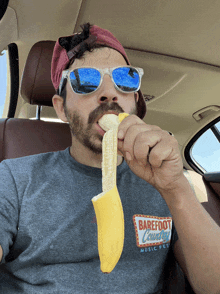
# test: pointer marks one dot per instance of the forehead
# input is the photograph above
(100, 58)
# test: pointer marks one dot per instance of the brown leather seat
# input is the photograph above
(22, 137)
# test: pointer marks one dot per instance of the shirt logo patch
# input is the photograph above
(152, 230)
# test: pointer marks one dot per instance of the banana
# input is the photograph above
(107, 205)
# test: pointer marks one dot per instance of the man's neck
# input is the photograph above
(84, 156)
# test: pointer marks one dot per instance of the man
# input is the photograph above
(48, 232)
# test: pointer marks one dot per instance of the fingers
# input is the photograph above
(164, 149)
(144, 144)
(148, 145)
(128, 130)
(131, 133)
(132, 121)
(151, 153)
(126, 123)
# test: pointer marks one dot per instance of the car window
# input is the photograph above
(3, 80)
(205, 152)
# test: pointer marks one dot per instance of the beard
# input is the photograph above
(84, 133)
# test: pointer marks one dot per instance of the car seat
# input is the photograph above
(22, 137)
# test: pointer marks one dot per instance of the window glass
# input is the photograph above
(206, 151)
(3, 80)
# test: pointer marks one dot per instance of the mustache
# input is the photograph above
(102, 108)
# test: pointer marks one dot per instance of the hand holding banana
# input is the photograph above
(151, 153)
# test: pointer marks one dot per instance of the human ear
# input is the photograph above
(59, 108)
(136, 96)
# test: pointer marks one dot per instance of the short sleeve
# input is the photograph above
(8, 209)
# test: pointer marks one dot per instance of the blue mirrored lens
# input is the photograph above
(85, 80)
(126, 78)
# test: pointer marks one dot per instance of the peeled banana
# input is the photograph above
(107, 205)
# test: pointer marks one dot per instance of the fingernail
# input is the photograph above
(128, 156)
(120, 134)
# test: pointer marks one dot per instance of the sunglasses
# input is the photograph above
(86, 80)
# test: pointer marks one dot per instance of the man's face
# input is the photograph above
(83, 111)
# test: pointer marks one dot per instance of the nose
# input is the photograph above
(107, 91)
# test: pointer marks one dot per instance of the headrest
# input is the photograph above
(36, 84)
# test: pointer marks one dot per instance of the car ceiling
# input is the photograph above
(176, 42)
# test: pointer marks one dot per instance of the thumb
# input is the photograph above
(120, 145)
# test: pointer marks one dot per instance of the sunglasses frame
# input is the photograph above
(103, 71)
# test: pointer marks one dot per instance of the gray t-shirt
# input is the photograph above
(48, 229)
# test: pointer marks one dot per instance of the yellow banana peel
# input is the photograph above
(110, 221)
(121, 116)
(107, 205)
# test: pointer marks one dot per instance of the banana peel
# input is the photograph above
(110, 221)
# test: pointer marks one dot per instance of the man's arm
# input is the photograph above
(197, 250)
(154, 156)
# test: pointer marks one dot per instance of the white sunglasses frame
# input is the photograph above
(103, 71)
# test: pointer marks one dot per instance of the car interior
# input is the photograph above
(175, 42)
